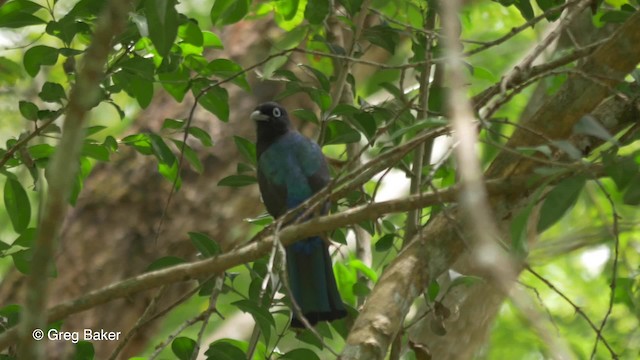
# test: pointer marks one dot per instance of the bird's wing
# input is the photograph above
(313, 164)
(274, 196)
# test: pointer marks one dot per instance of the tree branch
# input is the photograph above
(423, 260)
(256, 249)
(62, 171)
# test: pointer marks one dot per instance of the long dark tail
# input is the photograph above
(312, 282)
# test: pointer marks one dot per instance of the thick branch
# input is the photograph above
(579, 96)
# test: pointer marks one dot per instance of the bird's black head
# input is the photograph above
(272, 121)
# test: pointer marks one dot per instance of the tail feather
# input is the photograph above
(312, 282)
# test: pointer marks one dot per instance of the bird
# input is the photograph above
(291, 168)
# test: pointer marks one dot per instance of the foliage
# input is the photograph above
(166, 49)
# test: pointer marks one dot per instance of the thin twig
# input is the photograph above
(615, 232)
(575, 307)
(519, 29)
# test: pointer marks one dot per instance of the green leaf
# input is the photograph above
(320, 97)
(272, 65)
(382, 35)
(366, 123)
(433, 290)
(385, 243)
(142, 90)
(632, 194)
(11, 314)
(193, 159)
(162, 19)
(17, 204)
(548, 4)
(360, 288)
(171, 173)
(238, 180)
(211, 40)
(620, 169)
(38, 56)
(52, 92)
(40, 151)
(437, 98)
(524, 6)
(84, 171)
(224, 12)
(176, 82)
(352, 6)
(201, 135)
(235, 12)
(26, 238)
(338, 132)
(183, 347)
(559, 200)
(204, 244)
(316, 11)
(191, 33)
(246, 148)
(190, 155)
(29, 110)
(95, 151)
(615, 16)
(518, 228)
(10, 71)
(308, 337)
(364, 269)
(164, 262)
(484, 74)
(161, 150)
(287, 8)
(305, 115)
(22, 260)
(110, 143)
(172, 124)
(225, 68)
(66, 29)
(300, 354)
(140, 142)
(18, 14)
(324, 82)
(93, 130)
(224, 349)
(215, 99)
(84, 351)
(262, 316)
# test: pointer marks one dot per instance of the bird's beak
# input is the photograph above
(258, 116)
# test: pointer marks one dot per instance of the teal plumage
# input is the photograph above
(291, 168)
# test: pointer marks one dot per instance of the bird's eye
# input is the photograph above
(276, 112)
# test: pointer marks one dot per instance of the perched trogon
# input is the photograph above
(291, 168)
